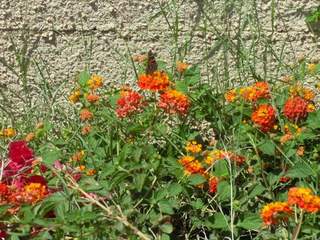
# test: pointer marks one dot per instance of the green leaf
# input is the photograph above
(174, 189)
(257, 190)
(313, 120)
(140, 180)
(137, 154)
(221, 168)
(198, 204)
(165, 207)
(196, 179)
(113, 100)
(268, 147)
(49, 155)
(182, 86)
(28, 215)
(251, 222)
(224, 190)
(160, 194)
(301, 170)
(83, 78)
(166, 228)
(161, 129)
(192, 75)
(165, 237)
(220, 221)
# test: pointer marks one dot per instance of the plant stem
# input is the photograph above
(108, 210)
(296, 230)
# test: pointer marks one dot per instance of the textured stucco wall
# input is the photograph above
(65, 36)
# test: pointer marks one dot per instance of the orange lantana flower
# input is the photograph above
(258, 90)
(275, 212)
(34, 192)
(78, 156)
(191, 165)
(75, 96)
(85, 114)
(231, 95)
(262, 90)
(155, 81)
(193, 147)
(95, 82)
(86, 129)
(264, 117)
(8, 132)
(92, 98)
(173, 101)
(91, 172)
(182, 67)
(213, 156)
(304, 199)
(30, 136)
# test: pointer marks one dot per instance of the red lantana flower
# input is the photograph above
(4, 192)
(129, 103)
(213, 184)
(295, 108)
(173, 101)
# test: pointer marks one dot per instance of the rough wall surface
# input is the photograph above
(64, 36)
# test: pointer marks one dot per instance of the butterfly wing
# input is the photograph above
(152, 65)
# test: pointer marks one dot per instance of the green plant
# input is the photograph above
(314, 16)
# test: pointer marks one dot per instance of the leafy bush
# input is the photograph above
(314, 16)
(168, 158)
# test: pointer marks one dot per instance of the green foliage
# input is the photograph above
(314, 16)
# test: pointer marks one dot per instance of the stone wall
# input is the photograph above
(64, 36)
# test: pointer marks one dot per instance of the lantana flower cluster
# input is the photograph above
(199, 161)
(299, 103)
(20, 185)
(252, 93)
(89, 96)
(8, 132)
(264, 114)
(129, 102)
(303, 198)
(169, 100)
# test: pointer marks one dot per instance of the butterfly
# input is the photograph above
(152, 65)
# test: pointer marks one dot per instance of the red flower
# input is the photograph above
(213, 184)
(262, 90)
(4, 193)
(3, 234)
(37, 179)
(20, 155)
(264, 116)
(19, 152)
(295, 108)
(284, 179)
(173, 101)
(129, 103)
